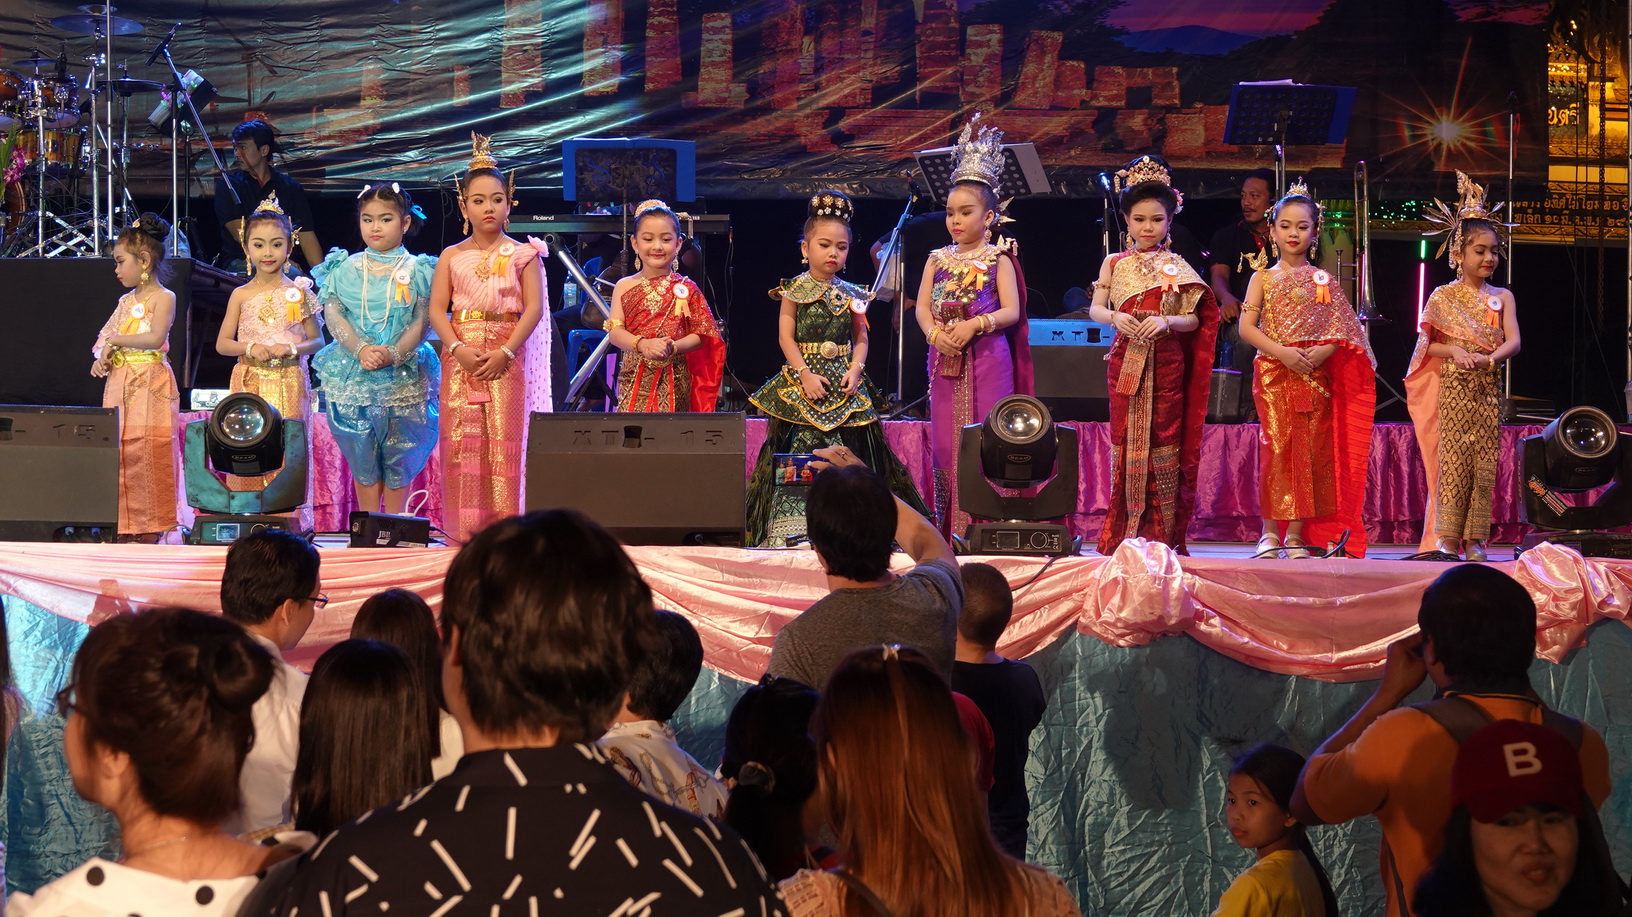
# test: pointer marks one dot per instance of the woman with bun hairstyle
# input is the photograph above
(158, 723)
(130, 353)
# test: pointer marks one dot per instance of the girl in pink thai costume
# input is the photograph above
(971, 291)
(380, 375)
(271, 327)
(130, 352)
(1466, 331)
(495, 370)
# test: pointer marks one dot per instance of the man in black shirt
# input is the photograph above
(253, 145)
(1228, 276)
(1007, 691)
(544, 620)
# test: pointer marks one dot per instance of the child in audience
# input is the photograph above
(130, 352)
(1287, 880)
(400, 617)
(363, 737)
(640, 743)
(898, 786)
(1006, 691)
(769, 764)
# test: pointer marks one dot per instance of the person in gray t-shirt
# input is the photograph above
(852, 518)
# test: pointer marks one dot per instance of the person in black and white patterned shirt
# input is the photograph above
(544, 618)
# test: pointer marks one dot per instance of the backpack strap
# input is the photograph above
(1457, 715)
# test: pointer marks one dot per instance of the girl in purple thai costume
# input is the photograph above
(971, 290)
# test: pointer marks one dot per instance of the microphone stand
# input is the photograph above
(891, 258)
(586, 287)
(175, 128)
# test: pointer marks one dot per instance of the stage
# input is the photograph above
(1226, 497)
(1157, 668)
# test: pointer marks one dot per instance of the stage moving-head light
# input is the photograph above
(1579, 451)
(245, 435)
(1018, 447)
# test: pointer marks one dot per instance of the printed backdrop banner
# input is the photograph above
(779, 94)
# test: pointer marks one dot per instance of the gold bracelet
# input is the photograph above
(856, 363)
(638, 338)
(611, 323)
(930, 337)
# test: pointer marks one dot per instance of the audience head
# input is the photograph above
(270, 585)
(401, 618)
(1258, 808)
(769, 763)
(1257, 187)
(988, 604)
(364, 741)
(673, 662)
(158, 709)
(850, 517)
(544, 620)
(1523, 838)
(920, 820)
(1479, 626)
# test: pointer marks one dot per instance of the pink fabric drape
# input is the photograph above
(1330, 620)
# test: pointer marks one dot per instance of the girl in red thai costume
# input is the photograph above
(494, 368)
(1314, 388)
(1160, 365)
(1467, 329)
(130, 352)
(972, 309)
(673, 356)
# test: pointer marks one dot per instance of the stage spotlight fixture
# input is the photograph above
(243, 436)
(1580, 451)
(1018, 448)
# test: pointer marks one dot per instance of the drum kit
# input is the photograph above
(66, 141)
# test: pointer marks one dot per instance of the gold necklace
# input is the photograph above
(482, 270)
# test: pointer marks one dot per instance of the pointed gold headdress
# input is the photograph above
(1300, 188)
(481, 152)
(1471, 205)
(270, 205)
(1144, 169)
(980, 155)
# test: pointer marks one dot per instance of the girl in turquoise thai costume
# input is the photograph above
(380, 375)
(821, 397)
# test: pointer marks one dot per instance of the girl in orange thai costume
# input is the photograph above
(495, 370)
(1160, 365)
(1315, 389)
(1467, 329)
(271, 327)
(972, 310)
(130, 351)
(673, 356)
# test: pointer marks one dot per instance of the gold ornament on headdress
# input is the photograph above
(1300, 188)
(652, 204)
(831, 204)
(980, 155)
(269, 205)
(481, 152)
(1145, 169)
(1471, 205)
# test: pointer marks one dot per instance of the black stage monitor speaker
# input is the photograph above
(1068, 359)
(647, 478)
(59, 467)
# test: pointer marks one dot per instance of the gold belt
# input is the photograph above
(826, 349)
(130, 357)
(476, 315)
(283, 362)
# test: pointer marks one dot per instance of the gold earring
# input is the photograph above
(467, 226)
(1130, 244)
(803, 260)
(144, 275)
(1274, 251)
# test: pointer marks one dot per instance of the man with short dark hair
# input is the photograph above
(852, 518)
(640, 743)
(1228, 275)
(1476, 641)
(271, 587)
(253, 145)
(545, 620)
(1006, 691)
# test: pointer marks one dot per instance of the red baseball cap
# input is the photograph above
(1512, 763)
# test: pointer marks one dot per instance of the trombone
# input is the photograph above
(1365, 303)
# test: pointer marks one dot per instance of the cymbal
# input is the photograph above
(38, 60)
(129, 87)
(91, 25)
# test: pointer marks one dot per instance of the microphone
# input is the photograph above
(1105, 182)
(62, 65)
(911, 175)
(163, 45)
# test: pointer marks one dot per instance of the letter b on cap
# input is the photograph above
(1521, 759)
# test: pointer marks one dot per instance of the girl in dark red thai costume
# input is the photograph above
(1166, 319)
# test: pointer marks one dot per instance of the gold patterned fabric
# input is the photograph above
(142, 386)
(272, 319)
(824, 315)
(670, 306)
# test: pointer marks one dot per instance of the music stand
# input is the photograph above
(1022, 171)
(1283, 113)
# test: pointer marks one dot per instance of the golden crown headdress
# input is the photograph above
(831, 204)
(269, 205)
(1300, 188)
(481, 152)
(980, 155)
(1471, 205)
(1144, 169)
